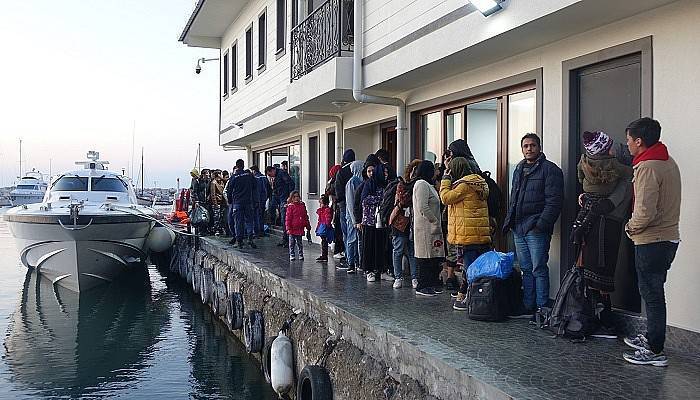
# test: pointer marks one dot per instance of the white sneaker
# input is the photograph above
(414, 283)
(398, 283)
(371, 277)
(386, 277)
(339, 255)
(292, 258)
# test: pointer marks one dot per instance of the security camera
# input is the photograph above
(198, 69)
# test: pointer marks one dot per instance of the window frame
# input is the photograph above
(249, 54)
(314, 162)
(262, 41)
(234, 66)
(281, 28)
(224, 74)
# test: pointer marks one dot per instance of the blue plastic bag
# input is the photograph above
(492, 264)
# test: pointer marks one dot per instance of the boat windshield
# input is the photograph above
(28, 187)
(108, 184)
(70, 184)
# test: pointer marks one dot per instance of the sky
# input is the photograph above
(79, 75)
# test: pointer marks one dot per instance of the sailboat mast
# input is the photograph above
(141, 170)
(199, 157)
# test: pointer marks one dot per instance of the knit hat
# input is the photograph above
(194, 173)
(596, 143)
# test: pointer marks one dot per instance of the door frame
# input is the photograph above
(570, 109)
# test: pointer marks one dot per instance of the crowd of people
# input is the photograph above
(437, 218)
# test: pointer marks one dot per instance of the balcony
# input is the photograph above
(324, 34)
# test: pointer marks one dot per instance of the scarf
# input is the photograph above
(658, 151)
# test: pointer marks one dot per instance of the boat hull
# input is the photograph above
(24, 199)
(82, 259)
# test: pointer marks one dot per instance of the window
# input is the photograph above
(249, 54)
(234, 67)
(432, 136)
(281, 26)
(224, 73)
(262, 41)
(313, 165)
(102, 184)
(70, 184)
(330, 149)
(27, 187)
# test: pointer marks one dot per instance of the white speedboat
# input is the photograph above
(88, 230)
(29, 190)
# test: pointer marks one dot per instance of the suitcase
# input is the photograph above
(486, 299)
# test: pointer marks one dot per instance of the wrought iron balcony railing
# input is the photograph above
(324, 34)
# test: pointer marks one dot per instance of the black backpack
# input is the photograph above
(495, 198)
(387, 204)
(486, 300)
(572, 314)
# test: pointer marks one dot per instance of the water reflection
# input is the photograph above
(63, 343)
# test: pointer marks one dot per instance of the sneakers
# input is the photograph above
(427, 292)
(452, 284)
(341, 265)
(414, 283)
(301, 257)
(523, 313)
(638, 342)
(460, 305)
(371, 277)
(438, 289)
(351, 269)
(398, 283)
(646, 357)
(322, 259)
(339, 255)
(292, 258)
(386, 277)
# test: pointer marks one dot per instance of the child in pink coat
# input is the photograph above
(324, 228)
(297, 219)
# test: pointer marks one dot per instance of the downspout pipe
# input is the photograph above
(339, 135)
(357, 84)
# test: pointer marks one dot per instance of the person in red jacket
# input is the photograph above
(324, 228)
(296, 220)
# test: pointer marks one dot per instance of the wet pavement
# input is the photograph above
(517, 358)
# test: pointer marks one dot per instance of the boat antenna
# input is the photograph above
(133, 139)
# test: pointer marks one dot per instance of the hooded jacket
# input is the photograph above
(536, 197)
(344, 175)
(657, 197)
(351, 188)
(283, 185)
(372, 195)
(262, 191)
(601, 174)
(297, 218)
(467, 208)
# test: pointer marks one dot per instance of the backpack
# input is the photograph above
(386, 206)
(495, 198)
(486, 300)
(572, 314)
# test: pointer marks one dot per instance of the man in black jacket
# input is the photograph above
(535, 204)
(341, 179)
(282, 186)
(239, 192)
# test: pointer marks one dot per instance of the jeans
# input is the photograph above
(243, 219)
(296, 240)
(258, 220)
(343, 223)
(532, 251)
(403, 245)
(652, 262)
(351, 243)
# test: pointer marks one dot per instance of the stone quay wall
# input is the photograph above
(363, 361)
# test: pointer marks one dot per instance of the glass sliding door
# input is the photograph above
(522, 119)
(431, 131)
(295, 165)
(482, 133)
(454, 125)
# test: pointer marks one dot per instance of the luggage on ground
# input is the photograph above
(492, 264)
(486, 299)
(572, 314)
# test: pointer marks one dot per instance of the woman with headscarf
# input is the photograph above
(374, 236)
(338, 240)
(427, 231)
(465, 193)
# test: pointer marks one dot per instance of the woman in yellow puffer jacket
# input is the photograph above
(468, 224)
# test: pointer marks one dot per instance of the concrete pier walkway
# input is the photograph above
(512, 359)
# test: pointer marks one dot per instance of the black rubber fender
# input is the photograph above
(235, 311)
(314, 383)
(196, 278)
(267, 357)
(220, 299)
(254, 331)
(207, 285)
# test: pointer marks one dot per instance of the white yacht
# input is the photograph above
(30, 189)
(89, 228)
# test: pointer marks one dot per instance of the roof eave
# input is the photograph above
(195, 12)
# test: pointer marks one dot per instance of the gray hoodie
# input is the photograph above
(351, 188)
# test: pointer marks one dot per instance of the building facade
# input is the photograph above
(554, 67)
